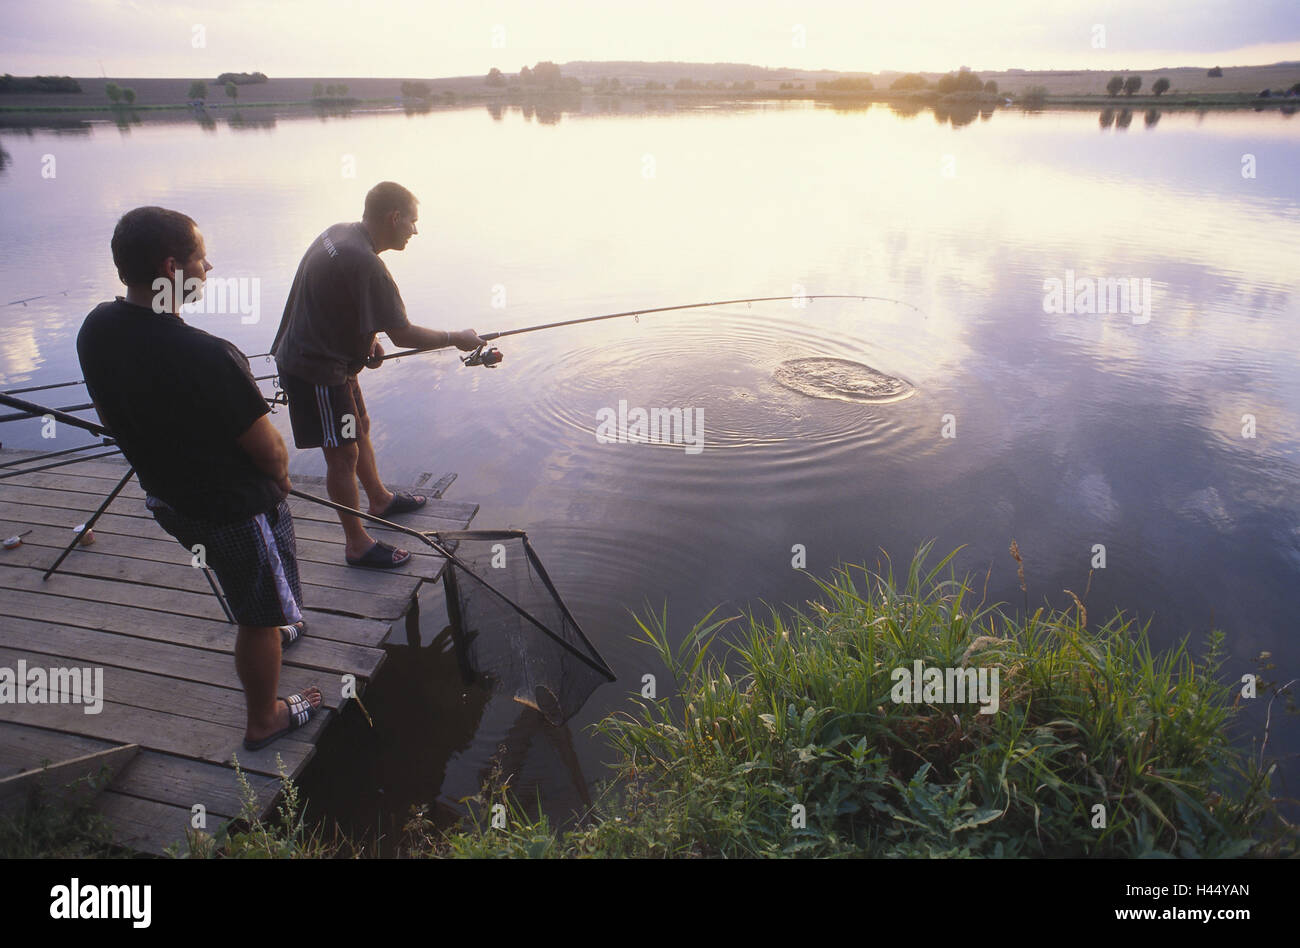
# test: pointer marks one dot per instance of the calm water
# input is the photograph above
(1071, 430)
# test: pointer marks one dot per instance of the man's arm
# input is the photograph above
(263, 444)
(417, 337)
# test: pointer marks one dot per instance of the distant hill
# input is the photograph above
(668, 72)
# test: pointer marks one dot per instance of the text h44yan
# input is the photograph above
(684, 426)
(1093, 295)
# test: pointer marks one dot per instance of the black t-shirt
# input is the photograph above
(176, 399)
(341, 296)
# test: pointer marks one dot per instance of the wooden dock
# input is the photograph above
(132, 604)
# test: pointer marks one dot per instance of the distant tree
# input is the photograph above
(1035, 96)
(317, 91)
(415, 90)
(961, 81)
(525, 75)
(113, 92)
(1294, 90)
(494, 77)
(128, 96)
(1215, 73)
(1115, 85)
(232, 90)
(198, 90)
(241, 78)
(547, 74)
(1160, 86)
(1132, 84)
(908, 83)
(786, 85)
(749, 85)
(684, 83)
(991, 87)
(329, 89)
(342, 90)
(615, 85)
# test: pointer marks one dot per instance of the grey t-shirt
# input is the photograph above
(341, 296)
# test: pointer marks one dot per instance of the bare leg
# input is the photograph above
(341, 485)
(368, 471)
(257, 661)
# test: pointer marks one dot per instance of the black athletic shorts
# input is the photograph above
(255, 560)
(323, 416)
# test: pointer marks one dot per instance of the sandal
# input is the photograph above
(292, 633)
(300, 712)
(380, 556)
(403, 502)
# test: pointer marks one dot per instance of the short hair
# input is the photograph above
(145, 237)
(386, 197)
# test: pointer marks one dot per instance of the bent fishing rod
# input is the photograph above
(491, 357)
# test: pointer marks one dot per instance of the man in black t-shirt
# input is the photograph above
(185, 410)
(342, 295)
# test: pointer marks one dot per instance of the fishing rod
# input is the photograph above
(491, 357)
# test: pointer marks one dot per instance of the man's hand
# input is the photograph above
(467, 340)
(375, 359)
(266, 449)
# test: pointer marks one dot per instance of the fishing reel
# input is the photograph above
(489, 357)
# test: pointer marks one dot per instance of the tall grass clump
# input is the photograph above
(1098, 747)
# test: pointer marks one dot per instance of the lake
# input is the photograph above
(1166, 432)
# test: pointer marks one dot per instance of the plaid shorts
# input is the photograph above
(255, 560)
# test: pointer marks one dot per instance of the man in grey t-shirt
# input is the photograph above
(342, 295)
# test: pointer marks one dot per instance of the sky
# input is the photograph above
(420, 38)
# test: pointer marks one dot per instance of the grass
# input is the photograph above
(801, 752)
(50, 828)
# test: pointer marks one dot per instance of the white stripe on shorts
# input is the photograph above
(324, 404)
(287, 603)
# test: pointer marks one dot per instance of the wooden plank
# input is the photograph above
(331, 641)
(23, 747)
(186, 737)
(326, 572)
(138, 574)
(147, 826)
(166, 599)
(182, 662)
(178, 781)
(52, 531)
(55, 489)
(205, 702)
(65, 780)
(53, 526)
